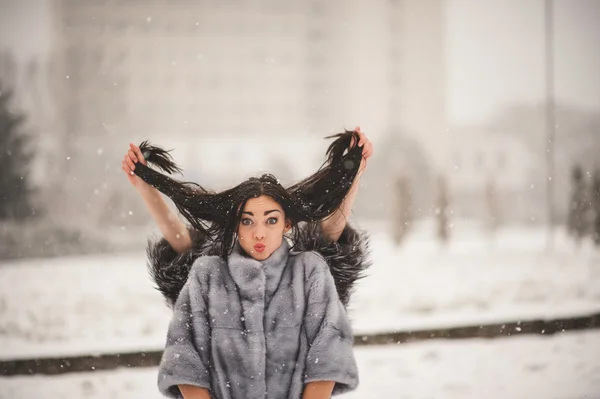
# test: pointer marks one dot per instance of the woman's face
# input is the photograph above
(261, 227)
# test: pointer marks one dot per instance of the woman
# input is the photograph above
(255, 317)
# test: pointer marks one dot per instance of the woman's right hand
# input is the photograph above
(133, 156)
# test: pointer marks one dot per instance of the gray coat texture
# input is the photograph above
(252, 329)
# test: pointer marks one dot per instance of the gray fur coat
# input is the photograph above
(244, 328)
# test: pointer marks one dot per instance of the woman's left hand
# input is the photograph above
(367, 146)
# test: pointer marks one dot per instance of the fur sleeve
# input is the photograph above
(347, 257)
(186, 357)
(328, 330)
(168, 269)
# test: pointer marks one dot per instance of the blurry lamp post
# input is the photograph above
(550, 116)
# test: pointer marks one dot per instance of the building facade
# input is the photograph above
(129, 70)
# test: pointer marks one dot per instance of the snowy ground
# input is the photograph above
(475, 280)
(564, 366)
(97, 304)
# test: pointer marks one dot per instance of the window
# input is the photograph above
(479, 160)
(395, 52)
(395, 76)
(394, 105)
(317, 8)
(170, 27)
(456, 159)
(501, 161)
(120, 27)
(316, 34)
(317, 60)
(74, 58)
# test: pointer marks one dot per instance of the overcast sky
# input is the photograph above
(495, 54)
(494, 50)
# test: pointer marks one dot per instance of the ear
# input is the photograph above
(288, 226)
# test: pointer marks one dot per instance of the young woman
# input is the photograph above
(256, 316)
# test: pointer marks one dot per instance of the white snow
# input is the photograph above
(563, 366)
(474, 281)
(106, 304)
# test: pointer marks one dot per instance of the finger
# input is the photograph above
(362, 140)
(357, 129)
(134, 148)
(353, 141)
(369, 149)
(139, 154)
(130, 163)
(125, 167)
(132, 156)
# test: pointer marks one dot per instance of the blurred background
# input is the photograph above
(482, 198)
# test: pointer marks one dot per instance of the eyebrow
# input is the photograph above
(266, 212)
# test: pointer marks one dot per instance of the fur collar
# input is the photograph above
(347, 259)
(249, 273)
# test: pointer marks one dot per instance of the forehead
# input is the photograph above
(262, 203)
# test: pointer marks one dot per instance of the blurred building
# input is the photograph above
(417, 95)
(479, 161)
(127, 70)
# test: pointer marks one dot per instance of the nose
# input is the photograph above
(259, 234)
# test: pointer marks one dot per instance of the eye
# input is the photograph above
(246, 222)
(272, 221)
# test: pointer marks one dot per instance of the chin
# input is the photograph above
(260, 255)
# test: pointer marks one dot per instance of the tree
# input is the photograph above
(595, 201)
(576, 142)
(8, 68)
(403, 208)
(577, 220)
(492, 206)
(442, 210)
(15, 159)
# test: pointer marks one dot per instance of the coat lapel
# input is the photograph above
(256, 280)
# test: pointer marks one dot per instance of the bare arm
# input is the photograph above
(334, 225)
(192, 392)
(318, 390)
(172, 228)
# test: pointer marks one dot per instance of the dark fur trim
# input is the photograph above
(168, 269)
(347, 259)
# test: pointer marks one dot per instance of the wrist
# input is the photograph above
(359, 173)
(146, 190)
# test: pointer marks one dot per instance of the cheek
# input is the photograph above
(243, 234)
(276, 235)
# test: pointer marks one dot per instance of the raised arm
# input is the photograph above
(173, 230)
(334, 225)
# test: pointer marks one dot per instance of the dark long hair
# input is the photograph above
(217, 214)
